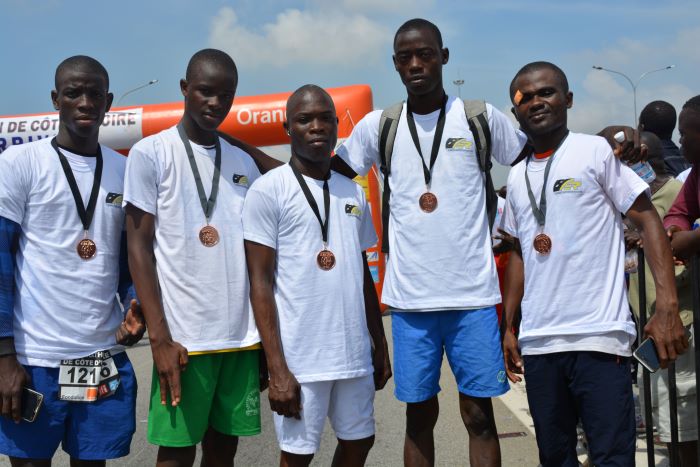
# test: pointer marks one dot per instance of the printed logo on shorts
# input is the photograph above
(114, 199)
(458, 144)
(352, 210)
(501, 377)
(240, 180)
(568, 185)
(372, 256)
(252, 403)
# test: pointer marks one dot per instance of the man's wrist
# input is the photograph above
(7, 346)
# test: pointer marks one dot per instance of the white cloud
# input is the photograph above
(328, 37)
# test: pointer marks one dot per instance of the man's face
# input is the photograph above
(540, 102)
(82, 99)
(689, 129)
(209, 94)
(313, 126)
(419, 59)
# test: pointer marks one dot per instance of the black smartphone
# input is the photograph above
(31, 403)
(647, 356)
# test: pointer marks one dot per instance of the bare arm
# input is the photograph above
(665, 325)
(285, 391)
(380, 354)
(513, 296)
(169, 356)
(264, 162)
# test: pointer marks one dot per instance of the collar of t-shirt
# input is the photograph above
(204, 150)
(79, 162)
(425, 127)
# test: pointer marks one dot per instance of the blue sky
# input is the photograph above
(280, 45)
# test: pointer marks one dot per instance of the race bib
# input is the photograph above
(88, 379)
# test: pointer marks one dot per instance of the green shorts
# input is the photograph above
(221, 390)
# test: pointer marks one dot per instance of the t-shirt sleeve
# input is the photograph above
(508, 222)
(261, 217)
(15, 183)
(361, 150)
(685, 208)
(142, 179)
(618, 181)
(368, 236)
(506, 141)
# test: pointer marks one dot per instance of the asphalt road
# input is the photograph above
(517, 442)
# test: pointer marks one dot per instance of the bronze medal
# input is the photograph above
(542, 244)
(86, 249)
(428, 202)
(325, 260)
(209, 236)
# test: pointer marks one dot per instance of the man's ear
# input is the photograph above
(54, 99)
(286, 128)
(569, 99)
(183, 87)
(110, 99)
(445, 55)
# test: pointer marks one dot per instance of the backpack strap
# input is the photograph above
(388, 123)
(477, 118)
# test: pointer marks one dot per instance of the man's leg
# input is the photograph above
(553, 408)
(419, 445)
(218, 449)
(352, 453)
(22, 462)
(82, 463)
(687, 453)
(477, 415)
(351, 412)
(602, 388)
(287, 459)
(473, 348)
(417, 359)
(176, 457)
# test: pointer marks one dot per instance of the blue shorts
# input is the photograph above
(595, 387)
(87, 430)
(471, 340)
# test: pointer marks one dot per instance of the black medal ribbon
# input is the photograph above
(86, 214)
(437, 138)
(207, 204)
(540, 212)
(312, 202)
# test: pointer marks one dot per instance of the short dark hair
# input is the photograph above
(84, 63)
(307, 89)
(655, 151)
(536, 66)
(419, 23)
(659, 117)
(215, 56)
(693, 104)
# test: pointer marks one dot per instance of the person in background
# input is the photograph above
(659, 117)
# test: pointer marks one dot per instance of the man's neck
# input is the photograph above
(550, 141)
(426, 103)
(316, 170)
(196, 134)
(76, 144)
(659, 182)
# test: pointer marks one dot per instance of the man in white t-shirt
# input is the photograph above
(306, 230)
(184, 195)
(62, 263)
(441, 280)
(563, 205)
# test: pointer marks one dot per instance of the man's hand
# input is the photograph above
(630, 150)
(133, 327)
(684, 243)
(666, 328)
(632, 239)
(13, 378)
(511, 355)
(170, 359)
(382, 365)
(285, 394)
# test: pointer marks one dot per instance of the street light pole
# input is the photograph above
(459, 82)
(151, 82)
(633, 84)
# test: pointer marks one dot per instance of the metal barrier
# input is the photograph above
(646, 393)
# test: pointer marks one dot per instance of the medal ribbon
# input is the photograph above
(86, 215)
(312, 201)
(541, 211)
(437, 137)
(207, 204)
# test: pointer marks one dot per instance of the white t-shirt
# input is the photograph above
(575, 297)
(321, 313)
(204, 290)
(65, 307)
(443, 259)
(684, 175)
